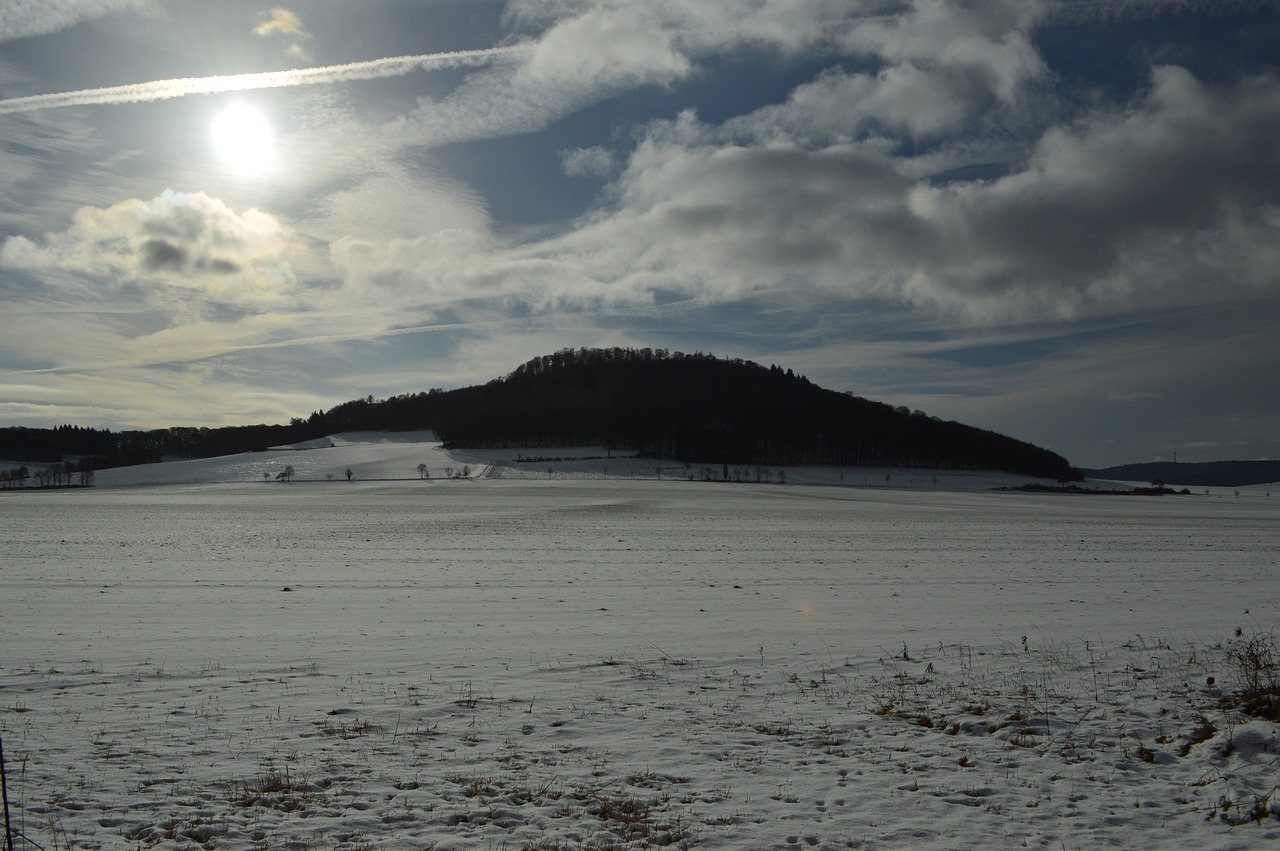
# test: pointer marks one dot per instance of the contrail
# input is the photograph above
(393, 66)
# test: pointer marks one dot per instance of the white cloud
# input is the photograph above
(395, 203)
(1106, 212)
(581, 58)
(281, 21)
(22, 18)
(196, 394)
(182, 239)
(839, 106)
(790, 26)
(285, 25)
(580, 52)
(990, 41)
(1118, 206)
(693, 219)
(437, 267)
(1156, 201)
(595, 161)
(1094, 11)
(612, 48)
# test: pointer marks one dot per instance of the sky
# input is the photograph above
(1055, 219)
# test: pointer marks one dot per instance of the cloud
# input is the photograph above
(581, 52)
(23, 18)
(1161, 200)
(197, 394)
(699, 217)
(286, 25)
(701, 26)
(989, 42)
(283, 22)
(1130, 396)
(1166, 196)
(1164, 199)
(583, 56)
(613, 48)
(838, 106)
(588, 162)
(399, 203)
(435, 268)
(942, 67)
(693, 219)
(1093, 11)
(182, 239)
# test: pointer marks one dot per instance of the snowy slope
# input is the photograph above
(579, 662)
(396, 455)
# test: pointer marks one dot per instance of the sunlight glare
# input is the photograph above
(243, 139)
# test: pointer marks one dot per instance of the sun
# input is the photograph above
(243, 140)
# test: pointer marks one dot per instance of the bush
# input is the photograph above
(1257, 667)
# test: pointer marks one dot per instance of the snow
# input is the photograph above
(595, 657)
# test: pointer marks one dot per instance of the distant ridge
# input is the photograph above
(1222, 474)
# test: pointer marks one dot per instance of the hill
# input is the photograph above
(695, 408)
(660, 404)
(1224, 474)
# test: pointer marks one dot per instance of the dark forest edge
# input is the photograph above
(661, 404)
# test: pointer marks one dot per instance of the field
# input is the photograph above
(540, 661)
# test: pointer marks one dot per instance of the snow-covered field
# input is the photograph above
(560, 655)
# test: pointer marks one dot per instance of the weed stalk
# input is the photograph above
(4, 793)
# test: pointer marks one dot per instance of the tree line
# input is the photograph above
(100, 448)
(51, 476)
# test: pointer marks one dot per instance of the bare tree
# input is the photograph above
(349, 474)
(423, 472)
(286, 474)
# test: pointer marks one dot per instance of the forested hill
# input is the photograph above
(658, 403)
(699, 408)
(695, 408)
